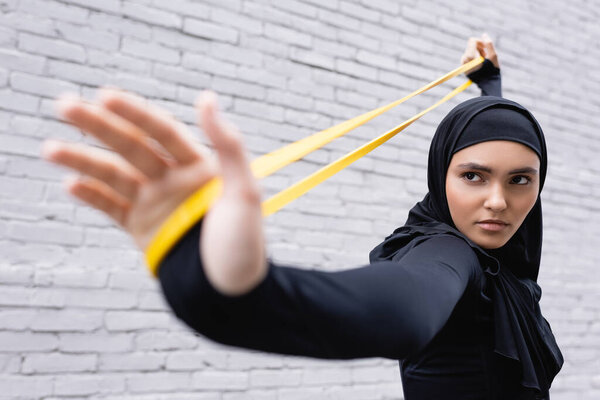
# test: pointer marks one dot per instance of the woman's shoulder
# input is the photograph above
(446, 249)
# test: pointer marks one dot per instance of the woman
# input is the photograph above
(451, 294)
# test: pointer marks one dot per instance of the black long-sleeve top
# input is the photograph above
(425, 310)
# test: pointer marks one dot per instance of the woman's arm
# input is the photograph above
(387, 309)
(487, 75)
(488, 79)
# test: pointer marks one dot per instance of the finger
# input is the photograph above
(99, 196)
(490, 50)
(481, 49)
(170, 133)
(471, 50)
(119, 134)
(100, 164)
(235, 167)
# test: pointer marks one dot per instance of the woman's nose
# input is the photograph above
(495, 199)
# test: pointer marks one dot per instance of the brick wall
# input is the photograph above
(79, 315)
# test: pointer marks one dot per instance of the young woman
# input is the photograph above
(452, 294)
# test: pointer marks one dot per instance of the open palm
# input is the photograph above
(155, 168)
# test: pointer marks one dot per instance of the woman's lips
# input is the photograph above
(492, 226)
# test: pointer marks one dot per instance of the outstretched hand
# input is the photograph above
(480, 46)
(155, 166)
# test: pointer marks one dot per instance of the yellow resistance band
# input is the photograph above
(195, 206)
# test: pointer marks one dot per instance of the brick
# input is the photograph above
(312, 58)
(157, 382)
(260, 76)
(387, 6)
(327, 376)
(376, 60)
(252, 394)
(358, 11)
(333, 48)
(86, 384)
(217, 380)
(152, 301)
(17, 60)
(108, 238)
(263, 110)
(151, 15)
(288, 35)
(334, 18)
(26, 342)
(50, 47)
(105, 5)
(234, 5)
(289, 100)
(95, 342)
(455, 28)
(142, 86)
(88, 37)
(54, 233)
(307, 87)
(55, 363)
(188, 360)
(34, 386)
(100, 299)
(180, 40)
(79, 278)
(78, 73)
(209, 30)
(136, 320)
(298, 7)
(209, 65)
(55, 10)
(237, 88)
(19, 102)
(355, 69)
(13, 188)
(150, 51)
(97, 258)
(67, 321)
(23, 21)
(236, 20)
(246, 360)
(16, 319)
(131, 362)
(40, 86)
(227, 52)
(179, 75)
(184, 7)
(121, 62)
(8, 37)
(3, 77)
(165, 341)
(279, 378)
(120, 25)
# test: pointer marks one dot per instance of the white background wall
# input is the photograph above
(79, 315)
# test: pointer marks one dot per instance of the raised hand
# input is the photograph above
(156, 166)
(480, 46)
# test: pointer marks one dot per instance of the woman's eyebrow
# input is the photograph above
(479, 167)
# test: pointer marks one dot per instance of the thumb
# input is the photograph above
(227, 140)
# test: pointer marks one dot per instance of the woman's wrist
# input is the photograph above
(487, 70)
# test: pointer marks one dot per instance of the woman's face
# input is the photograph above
(494, 180)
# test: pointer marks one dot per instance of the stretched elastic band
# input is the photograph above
(195, 206)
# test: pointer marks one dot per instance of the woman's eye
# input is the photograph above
(470, 176)
(520, 180)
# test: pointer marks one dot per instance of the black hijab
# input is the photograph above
(521, 332)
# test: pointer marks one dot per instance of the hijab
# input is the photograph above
(520, 331)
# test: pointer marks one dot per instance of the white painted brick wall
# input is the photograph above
(79, 315)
